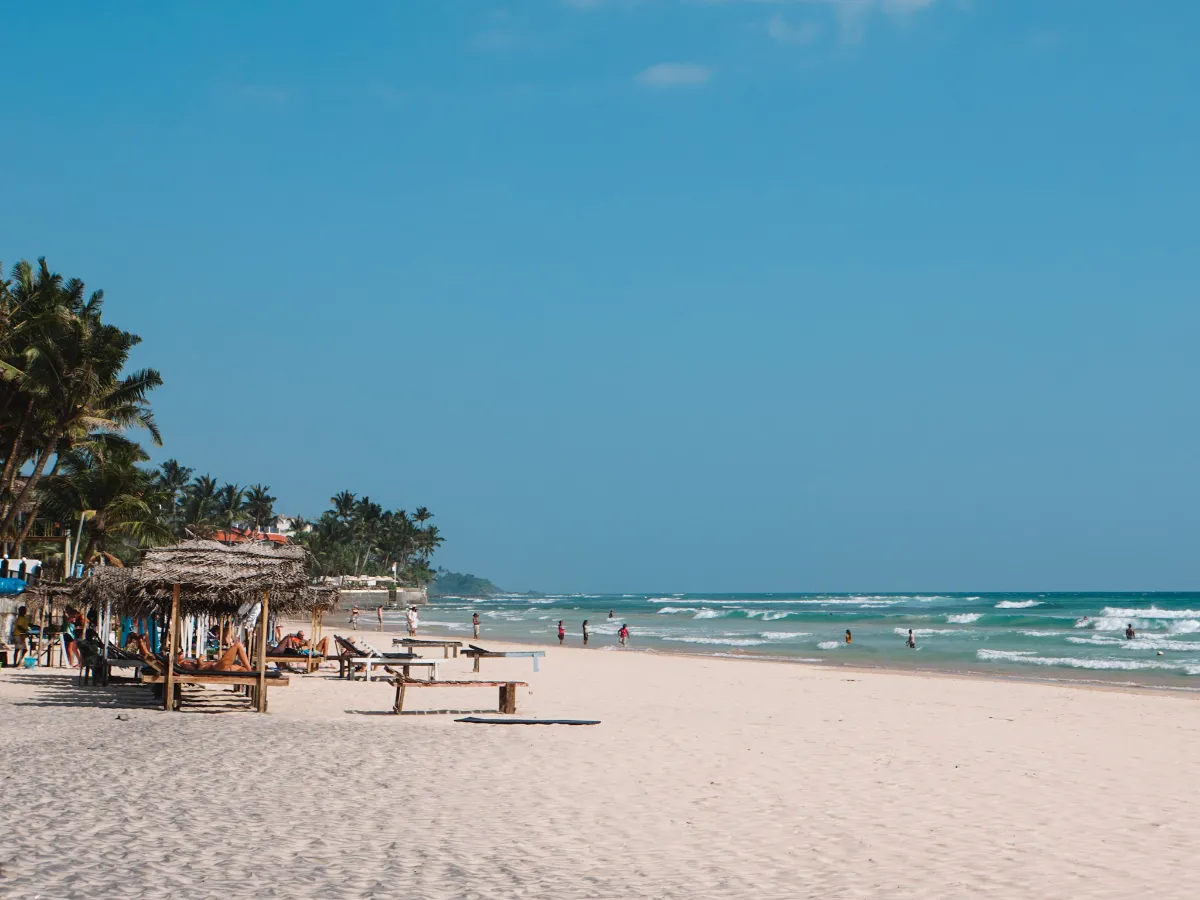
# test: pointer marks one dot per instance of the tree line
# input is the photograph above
(70, 463)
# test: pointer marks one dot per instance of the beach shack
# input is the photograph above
(192, 586)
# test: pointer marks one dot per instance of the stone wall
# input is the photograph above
(369, 598)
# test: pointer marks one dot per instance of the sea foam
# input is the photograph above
(964, 618)
(1073, 662)
(1017, 604)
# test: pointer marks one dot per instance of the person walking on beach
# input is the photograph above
(379, 616)
(912, 644)
(562, 632)
(475, 624)
(623, 634)
(849, 639)
(585, 632)
(21, 630)
(413, 622)
(354, 618)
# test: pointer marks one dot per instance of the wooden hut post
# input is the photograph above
(170, 680)
(312, 644)
(262, 653)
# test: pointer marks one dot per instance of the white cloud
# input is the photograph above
(680, 74)
(802, 33)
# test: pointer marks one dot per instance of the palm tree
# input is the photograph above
(343, 506)
(260, 507)
(173, 480)
(121, 500)
(71, 369)
(230, 505)
(199, 508)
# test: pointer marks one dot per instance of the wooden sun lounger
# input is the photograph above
(310, 662)
(213, 677)
(352, 657)
(367, 662)
(508, 691)
(446, 646)
(479, 653)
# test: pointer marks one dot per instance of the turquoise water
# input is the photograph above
(1057, 635)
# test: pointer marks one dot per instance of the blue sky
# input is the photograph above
(661, 295)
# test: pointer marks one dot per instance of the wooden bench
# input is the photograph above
(478, 653)
(367, 662)
(310, 663)
(211, 677)
(352, 655)
(508, 691)
(446, 646)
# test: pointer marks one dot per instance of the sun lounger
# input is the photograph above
(310, 661)
(211, 677)
(478, 653)
(352, 657)
(508, 691)
(446, 646)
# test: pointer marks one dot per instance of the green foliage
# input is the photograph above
(66, 405)
(63, 389)
(359, 537)
(456, 584)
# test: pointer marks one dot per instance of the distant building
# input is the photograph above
(242, 535)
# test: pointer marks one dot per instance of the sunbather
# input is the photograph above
(234, 659)
(298, 645)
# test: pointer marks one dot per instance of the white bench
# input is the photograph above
(369, 662)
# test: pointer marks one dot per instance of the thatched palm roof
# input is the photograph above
(213, 579)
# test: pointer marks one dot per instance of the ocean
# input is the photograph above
(1051, 635)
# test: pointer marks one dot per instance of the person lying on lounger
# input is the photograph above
(298, 645)
(234, 659)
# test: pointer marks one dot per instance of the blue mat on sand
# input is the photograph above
(476, 720)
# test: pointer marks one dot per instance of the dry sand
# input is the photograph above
(707, 778)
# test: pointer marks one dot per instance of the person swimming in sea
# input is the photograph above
(849, 639)
(1130, 634)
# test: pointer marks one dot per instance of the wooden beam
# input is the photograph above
(262, 652)
(169, 687)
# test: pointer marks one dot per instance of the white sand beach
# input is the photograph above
(706, 778)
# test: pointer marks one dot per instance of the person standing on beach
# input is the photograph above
(379, 616)
(623, 634)
(354, 618)
(413, 622)
(475, 624)
(849, 639)
(912, 644)
(585, 632)
(562, 632)
(21, 630)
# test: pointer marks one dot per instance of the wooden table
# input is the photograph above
(446, 646)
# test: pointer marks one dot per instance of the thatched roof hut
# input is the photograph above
(205, 578)
(213, 579)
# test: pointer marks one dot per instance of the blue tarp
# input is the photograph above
(11, 586)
